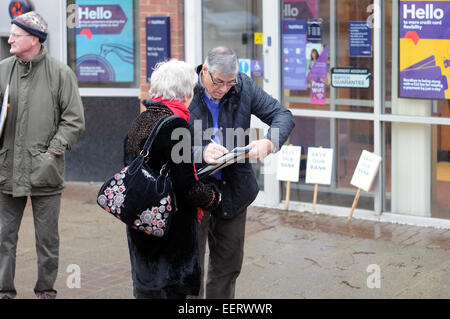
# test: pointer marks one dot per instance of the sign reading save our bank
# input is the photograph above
(105, 41)
(424, 49)
(157, 34)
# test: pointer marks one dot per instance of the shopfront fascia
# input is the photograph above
(412, 185)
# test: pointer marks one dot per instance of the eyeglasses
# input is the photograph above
(221, 84)
(15, 35)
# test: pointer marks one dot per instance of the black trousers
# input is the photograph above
(225, 238)
(166, 293)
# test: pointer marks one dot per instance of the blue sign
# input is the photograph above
(293, 54)
(105, 41)
(360, 39)
(157, 39)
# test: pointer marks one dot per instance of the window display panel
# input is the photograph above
(308, 80)
(102, 37)
(354, 52)
(417, 56)
(417, 173)
(306, 54)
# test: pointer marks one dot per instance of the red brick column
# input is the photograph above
(161, 8)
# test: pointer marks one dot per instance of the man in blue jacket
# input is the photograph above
(223, 103)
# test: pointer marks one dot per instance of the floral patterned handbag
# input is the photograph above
(140, 196)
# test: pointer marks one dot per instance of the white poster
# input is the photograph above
(319, 165)
(366, 170)
(289, 163)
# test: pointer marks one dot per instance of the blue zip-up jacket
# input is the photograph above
(239, 185)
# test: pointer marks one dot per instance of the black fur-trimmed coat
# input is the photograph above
(171, 261)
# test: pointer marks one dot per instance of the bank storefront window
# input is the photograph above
(103, 42)
(327, 65)
(359, 98)
(416, 124)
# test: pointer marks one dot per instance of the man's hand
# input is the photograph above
(260, 149)
(212, 152)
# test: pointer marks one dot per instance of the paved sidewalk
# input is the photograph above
(287, 255)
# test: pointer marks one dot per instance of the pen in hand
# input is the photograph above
(214, 152)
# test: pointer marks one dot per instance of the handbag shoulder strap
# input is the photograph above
(149, 142)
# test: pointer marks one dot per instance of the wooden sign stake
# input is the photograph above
(355, 202)
(288, 194)
(315, 198)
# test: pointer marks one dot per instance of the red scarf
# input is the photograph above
(178, 108)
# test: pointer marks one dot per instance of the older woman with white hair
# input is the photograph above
(168, 267)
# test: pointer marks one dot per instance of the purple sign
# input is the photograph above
(257, 68)
(423, 80)
(319, 67)
(360, 39)
(293, 54)
(300, 9)
(429, 19)
(318, 91)
(424, 34)
(157, 33)
(101, 19)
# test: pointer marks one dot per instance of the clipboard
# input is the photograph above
(223, 161)
(4, 111)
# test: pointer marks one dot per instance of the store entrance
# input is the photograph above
(239, 25)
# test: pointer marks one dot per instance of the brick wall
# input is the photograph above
(175, 10)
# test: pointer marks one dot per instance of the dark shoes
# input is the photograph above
(46, 295)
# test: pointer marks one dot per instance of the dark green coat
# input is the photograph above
(46, 113)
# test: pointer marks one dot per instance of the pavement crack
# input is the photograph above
(364, 253)
(314, 262)
(345, 282)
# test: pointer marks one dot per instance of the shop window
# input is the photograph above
(350, 139)
(103, 43)
(309, 50)
(426, 191)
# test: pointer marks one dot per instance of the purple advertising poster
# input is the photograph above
(424, 49)
(317, 63)
(300, 9)
(293, 54)
(318, 91)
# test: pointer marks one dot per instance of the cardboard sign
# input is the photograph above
(366, 170)
(289, 163)
(319, 165)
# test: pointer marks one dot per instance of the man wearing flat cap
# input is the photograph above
(45, 117)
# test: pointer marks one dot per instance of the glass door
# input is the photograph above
(238, 24)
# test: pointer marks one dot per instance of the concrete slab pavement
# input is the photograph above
(288, 255)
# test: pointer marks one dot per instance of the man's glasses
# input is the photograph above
(221, 84)
(16, 36)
